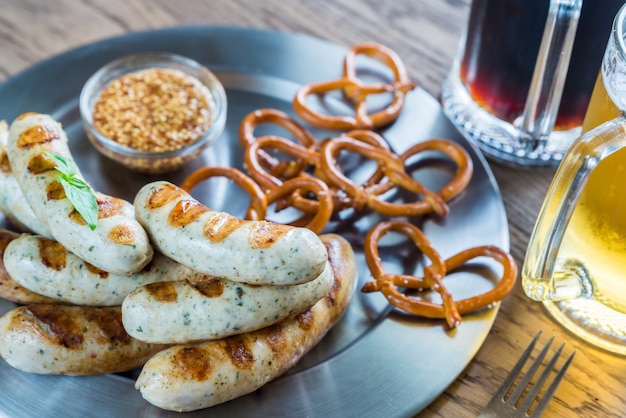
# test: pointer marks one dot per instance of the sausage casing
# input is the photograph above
(191, 377)
(183, 312)
(9, 288)
(45, 267)
(73, 340)
(221, 245)
(12, 201)
(117, 245)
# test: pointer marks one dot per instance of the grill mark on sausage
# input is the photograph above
(266, 234)
(162, 291)
(122, 234)
(338, 265)
(58, 325)
(331, 296)
(163, 195)
(38, 135)
(238, 352)
(109, 207)
(52, 254)
(185, 212)
(275, 338)
(106, 208)
(220, 225)
(306, 320)
(211, 287)
(5, 166)
(109, 323)
(76, 217)
(40, 163)
(96, 271)
(194, 362)
(55, 191)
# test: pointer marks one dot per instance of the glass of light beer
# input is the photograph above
(576, 258)
(521, 82)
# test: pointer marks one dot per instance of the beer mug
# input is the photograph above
(521, 82)
(576, 258)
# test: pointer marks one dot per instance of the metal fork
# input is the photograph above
(511, 407)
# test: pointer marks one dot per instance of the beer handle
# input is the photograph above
(540, 280)
(546, 88)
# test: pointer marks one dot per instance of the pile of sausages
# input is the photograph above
(164, 278)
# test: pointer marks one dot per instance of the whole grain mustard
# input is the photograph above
(154, 110)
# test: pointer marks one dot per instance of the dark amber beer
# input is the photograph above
(498, 56)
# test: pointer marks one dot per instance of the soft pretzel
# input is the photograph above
(357, 92)
(434, 275)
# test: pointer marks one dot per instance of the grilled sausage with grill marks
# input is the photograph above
(213, 308)
(191, 377)
(221, 245)
(117, 245)
(47, 268)
(73, 340)
(12, 201)
(9, 288)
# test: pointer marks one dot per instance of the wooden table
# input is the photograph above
(425, 34)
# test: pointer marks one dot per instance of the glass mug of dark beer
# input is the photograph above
(524, 74)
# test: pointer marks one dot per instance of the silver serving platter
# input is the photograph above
(376, 361)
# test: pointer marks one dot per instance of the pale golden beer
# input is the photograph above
(576, 257)
(601, 108)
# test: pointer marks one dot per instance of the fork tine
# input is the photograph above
(510, 379)
(543, 403)
(528, 400)
(515, 396)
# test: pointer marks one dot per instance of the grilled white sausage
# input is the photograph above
(9, 288)
(12, 201)
(117, 245)
(221, 245)
(74, 340)
(183, 312)
(191, 377)
(47, 268)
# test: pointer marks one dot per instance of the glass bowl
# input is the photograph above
(154, 111)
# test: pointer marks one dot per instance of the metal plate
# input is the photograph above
(376, 361)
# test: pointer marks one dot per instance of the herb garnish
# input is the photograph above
(76, 189)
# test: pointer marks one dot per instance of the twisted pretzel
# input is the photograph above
(393, 168)
(359, 197)
(286, 169)
(260, 201)
(310, 156)
(434, 274)
(357, 92)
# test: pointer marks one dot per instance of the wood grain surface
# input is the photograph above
(425, 33)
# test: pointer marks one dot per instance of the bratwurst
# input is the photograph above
(74, 340)
(47, 268)
(191, 377)
(12, 201)
(118, 244)
(9, 288)
(213, 308)
(221, 245)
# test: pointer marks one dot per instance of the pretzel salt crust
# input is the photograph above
(357, 92)
(434, 274)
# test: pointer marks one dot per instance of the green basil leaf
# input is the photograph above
(77, 190)
(63, 165)
(83, 199)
